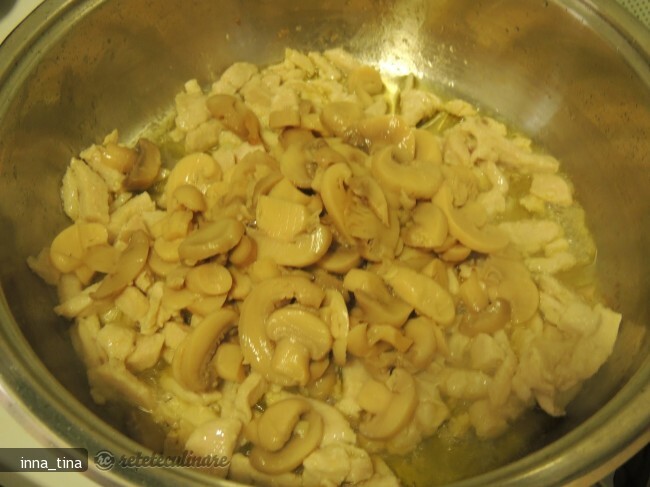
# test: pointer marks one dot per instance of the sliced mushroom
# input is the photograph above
(300, 336)
(487, 239)
(284, 423)
(285, 190)
(366, 80)
(489, 320)
(369, 191)
(418, 179)
(387, 130)
(190, 197)
(376, 241)
(275, 426)
(255, 165)
(244, 253)
(335, 312)
(70, 248)
(235, 116)
(422, 331)
(212, 279)
(341, 117)
(288, 117)
(129, 265)
(340, 259)
(261, 302)
(281, 219)
(294, 164)
(335, 197)
(374, 298)
(302, 251)
(509, 279)
(228, 362)
(198, 347)
(427, 147)
(146, 168)
(429, 229)
(211, 239)
(118, 157)
(388, 334)
(399, 410)
(198, 169)
(421, 292)
(473, 294)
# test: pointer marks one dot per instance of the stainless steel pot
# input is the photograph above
(572, 74)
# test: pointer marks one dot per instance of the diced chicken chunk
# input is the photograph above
(133, 303)
(42, 266)
(552, 188)
(112, 381)
(216, 438)
(326, 69)
(95, 157)
(84, 193)
(531, 236)
(146, 352)
(191, 110)
(76, 305)
(417, 105)
(558, 262)
(342, 59)
(336, 464)
(234, 78)
(570, 348)
(135, 206)
(203, 137)
(116, 341)
(355, 376)
(84, 340)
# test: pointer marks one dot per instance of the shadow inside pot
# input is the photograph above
(6, 6)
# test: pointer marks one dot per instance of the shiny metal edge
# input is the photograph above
(625, 33)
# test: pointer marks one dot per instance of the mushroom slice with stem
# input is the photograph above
(264, 298)
(335, 312)
(235, 116)
(418, 179)
(374, 298)
(341, 117)
(300, 337)
(336, 198)
(211, 239)
(198, 169)
(398, 407)
(492, 318)
(304, 250)
(339, 259)
(192, 356)
(422, 292)
(429, 228)
(145, 170)
(369, 191)
(386, 130)
(422, 331)
(286, 433)
(281, 219)
(487, 239)
(509, 279)
(129, 265)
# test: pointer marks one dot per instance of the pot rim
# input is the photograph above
(36, 399)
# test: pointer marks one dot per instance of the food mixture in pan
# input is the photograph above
(313, 267)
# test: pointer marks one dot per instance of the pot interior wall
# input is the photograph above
(122, 63)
